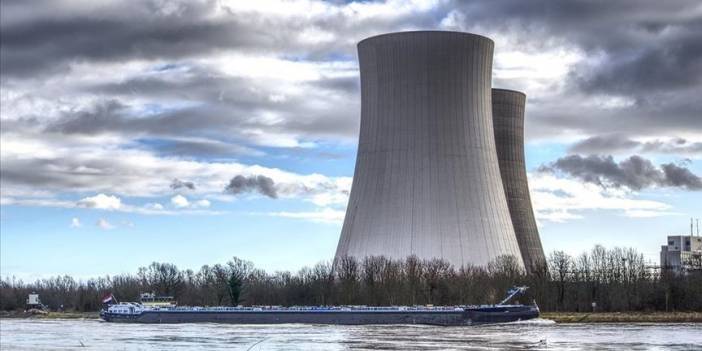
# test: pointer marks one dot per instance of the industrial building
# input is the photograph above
(427, 179)
(508, 121)
(682, 253)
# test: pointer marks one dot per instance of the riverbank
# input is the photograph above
(49, 315)
(624, 317)
(558, 317)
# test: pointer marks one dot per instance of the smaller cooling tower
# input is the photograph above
(508, 123)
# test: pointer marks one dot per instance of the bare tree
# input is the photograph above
(617, 279)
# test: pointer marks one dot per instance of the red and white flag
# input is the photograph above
(107, 299)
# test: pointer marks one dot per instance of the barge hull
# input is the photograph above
(442, 318)
(341, 318)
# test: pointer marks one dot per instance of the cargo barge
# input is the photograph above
(342, 315)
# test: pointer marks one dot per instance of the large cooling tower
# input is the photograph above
(427, 180)
(508, 117)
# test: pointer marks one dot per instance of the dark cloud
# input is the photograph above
(639, 77)
(35, 172)
(347, 85)
(646, 51)
(257, 183)
(225, 123)
(643, 66)
(672, 65)
(678, 146)
(142, 30)
(635, 173)
(188, 83)
(178, 184)
(70, 173)
(678, 176)
(614, 143)
(215, 106)
(50, 36)
(115, 117)
(604, 144)
(672, 115)
(101, 117)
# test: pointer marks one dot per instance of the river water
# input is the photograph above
(28, 334)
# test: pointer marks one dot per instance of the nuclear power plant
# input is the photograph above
(508, 122)
(430, 180)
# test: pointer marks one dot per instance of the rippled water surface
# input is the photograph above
(23, 334)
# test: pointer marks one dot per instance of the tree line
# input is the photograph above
(616, 280)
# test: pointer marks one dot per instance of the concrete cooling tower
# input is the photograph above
(508, 118)
(427, 180)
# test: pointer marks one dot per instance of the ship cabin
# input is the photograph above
(153, 300)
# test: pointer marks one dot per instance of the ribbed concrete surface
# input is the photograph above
(427, 180)
(508, 117)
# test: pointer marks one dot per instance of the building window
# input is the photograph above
(671, 242)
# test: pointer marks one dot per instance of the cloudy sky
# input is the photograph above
(193, 131)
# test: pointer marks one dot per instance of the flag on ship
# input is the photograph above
(109, 298)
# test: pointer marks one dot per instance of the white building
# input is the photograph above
(682, 253)
(33, 302)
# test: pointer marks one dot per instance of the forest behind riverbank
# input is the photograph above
(615, 280)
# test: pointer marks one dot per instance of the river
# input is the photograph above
(34, 334)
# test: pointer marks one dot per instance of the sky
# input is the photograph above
(193, 131)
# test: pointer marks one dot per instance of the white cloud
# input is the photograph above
(154, 206)
(278, 70)
(148, 209)
(136, 172)
(104, 224)
(648, 214)
(101, 201)
(180, 201)
(561, 200)
(34, 201)
(75, 222)
(204, 203)
(330, 198)
(543, 68)
(556, 216)
(325, 215)
(334, 194)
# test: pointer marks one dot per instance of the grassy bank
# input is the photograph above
(624, 317)
(49, 315)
